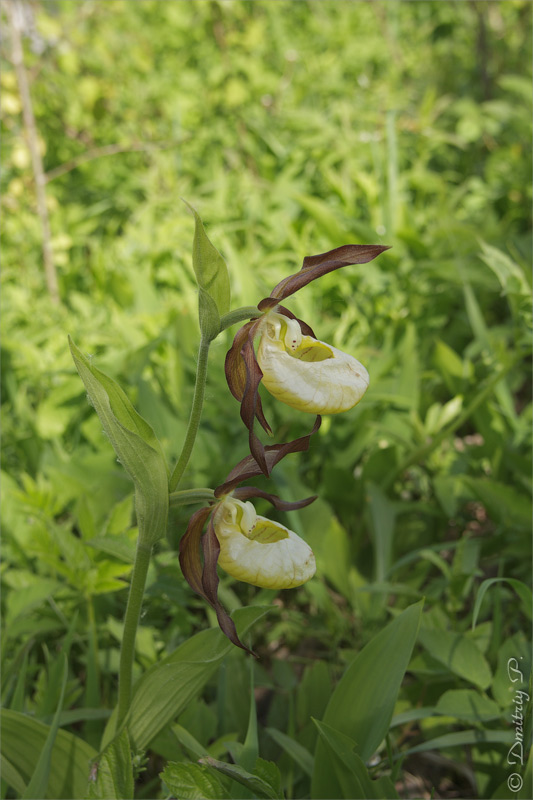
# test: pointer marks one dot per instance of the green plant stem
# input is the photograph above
(239, 315)
(131, 621)
(423, 451)
(194, 419)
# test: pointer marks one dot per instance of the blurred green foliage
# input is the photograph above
(293, 127)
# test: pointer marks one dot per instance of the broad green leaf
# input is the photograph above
(294, 749)
(363, 702)
(135, 444)
(249, 780)
(192, 782)
(37, 787)
(112, 776)
(350, 769)
(467, 704)
(523, 591)
(165, 690)
(458, 653)
(212, 277)
(23, 739)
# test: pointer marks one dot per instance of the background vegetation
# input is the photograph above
(293, 127)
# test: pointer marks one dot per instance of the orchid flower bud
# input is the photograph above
(259, 551)
(306, 373)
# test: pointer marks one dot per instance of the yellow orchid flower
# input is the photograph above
(257, 550)
(306, 373)
(295, 366)
(248, 547)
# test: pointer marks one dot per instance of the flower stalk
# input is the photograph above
(131, 622)
(194, 419)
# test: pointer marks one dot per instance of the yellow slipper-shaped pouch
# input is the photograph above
(259, 551)
(305, 373)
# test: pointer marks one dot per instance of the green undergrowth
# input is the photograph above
(293, 127)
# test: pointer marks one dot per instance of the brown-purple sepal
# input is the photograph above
(189, 555)
(211, 550)
(250, 468)
(203, 577)
(315, 266)
(243, 375)
(246, 492)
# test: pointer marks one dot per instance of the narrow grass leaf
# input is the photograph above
(39, 781)
(523, 591)
(11, 776)
(461, 739)
(299, 754)
(17, 701)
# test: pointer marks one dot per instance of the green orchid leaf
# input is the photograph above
(363, 702)
(350, 768)
(166, 689)
(135, 444)
(23, 740)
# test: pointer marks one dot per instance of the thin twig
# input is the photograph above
(15, 14)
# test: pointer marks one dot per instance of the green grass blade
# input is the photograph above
(39, 780)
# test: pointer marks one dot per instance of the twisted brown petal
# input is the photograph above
(203, 578)
(243, 375)
(245, 492)
(189, 557)
(211, 549)
(234, 364)
(250, 468)
(315, 266)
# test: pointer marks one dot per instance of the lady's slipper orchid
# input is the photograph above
(256, 550)
(251, 548)
(306, 373)
(295, 366)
